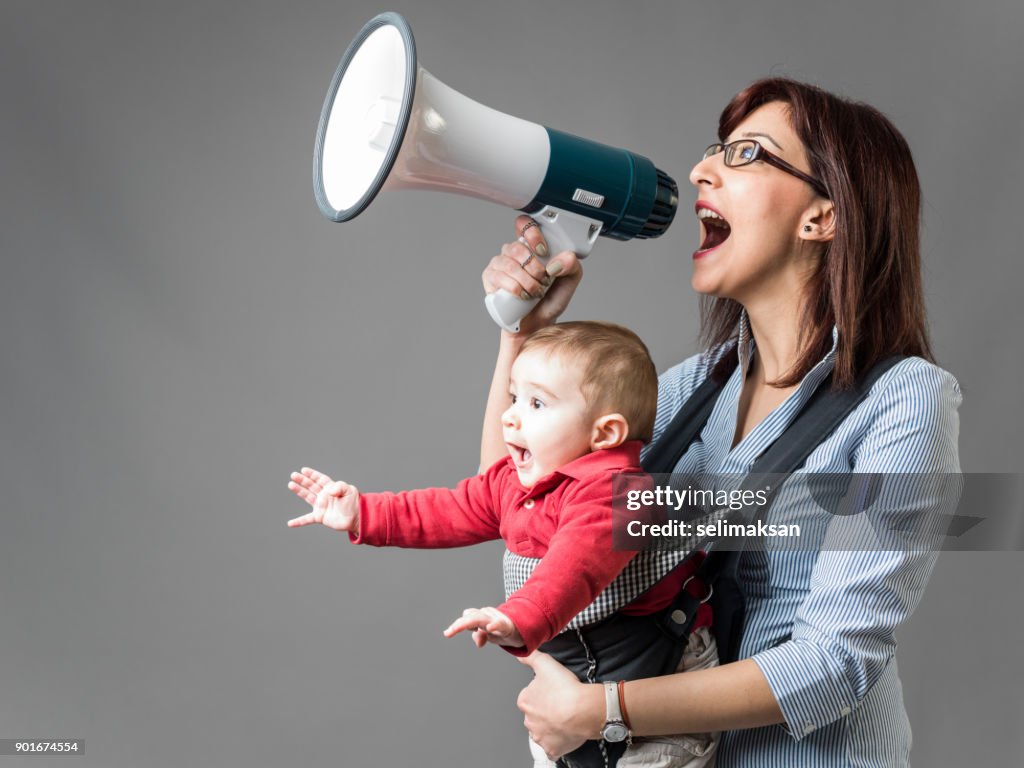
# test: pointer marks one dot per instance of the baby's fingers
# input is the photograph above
(497, 628)
(459, 625)
(319, 480)
(305, 481)
(307, 519)
(304, 494)
(471, 619)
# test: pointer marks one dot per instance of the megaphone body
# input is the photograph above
(387, 123)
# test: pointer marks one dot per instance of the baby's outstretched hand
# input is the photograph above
(335, 503)
(489, 625)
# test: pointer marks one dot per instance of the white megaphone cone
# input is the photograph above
(387, 123)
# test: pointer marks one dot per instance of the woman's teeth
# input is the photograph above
(707, 213)
(716, 229)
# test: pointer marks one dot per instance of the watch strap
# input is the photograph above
(615, 728)
(612, 712)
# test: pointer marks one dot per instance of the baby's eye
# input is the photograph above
(535, 403)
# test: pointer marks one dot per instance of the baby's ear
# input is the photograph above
(609, 431)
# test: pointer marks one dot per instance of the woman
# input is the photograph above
(809, 264)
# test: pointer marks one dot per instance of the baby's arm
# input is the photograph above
(423, 519)
(335, 503)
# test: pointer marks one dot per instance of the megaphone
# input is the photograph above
(387, 123)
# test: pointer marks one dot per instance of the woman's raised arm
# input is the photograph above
(517, 270)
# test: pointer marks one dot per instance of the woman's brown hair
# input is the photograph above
(868, 282)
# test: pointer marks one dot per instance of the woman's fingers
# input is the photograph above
(519, 269)
(499, 278)
(533, 242)
(569, 273)
(510, 264)
(506, 271)
(535, 660)
(528, 228)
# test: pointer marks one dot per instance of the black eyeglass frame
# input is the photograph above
(760, 153)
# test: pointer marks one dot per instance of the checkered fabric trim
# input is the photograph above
(643, 572)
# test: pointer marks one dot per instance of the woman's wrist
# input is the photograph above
(508, 351)
(528, 325)
(512, 340)
(591, 712)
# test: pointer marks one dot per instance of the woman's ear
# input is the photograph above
(819, 222)
(609, 431)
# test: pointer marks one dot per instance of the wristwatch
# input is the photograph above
(615, 728)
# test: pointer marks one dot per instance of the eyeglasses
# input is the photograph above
(745, 151)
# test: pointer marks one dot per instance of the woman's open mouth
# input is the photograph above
(716, 230)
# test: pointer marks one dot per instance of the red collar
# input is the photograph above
(620, 457)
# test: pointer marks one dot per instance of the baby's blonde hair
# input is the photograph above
(618, 373)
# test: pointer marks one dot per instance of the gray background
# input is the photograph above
(180, 328)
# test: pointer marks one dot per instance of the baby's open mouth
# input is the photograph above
(716, 229)
(519, 455)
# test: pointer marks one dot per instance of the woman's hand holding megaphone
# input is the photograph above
(520, 269)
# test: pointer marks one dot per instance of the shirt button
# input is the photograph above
(528, 504)
(844, 711)
(809, 728)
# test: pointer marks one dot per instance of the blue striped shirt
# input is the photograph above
(835, 679)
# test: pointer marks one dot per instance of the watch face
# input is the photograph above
(614, 732)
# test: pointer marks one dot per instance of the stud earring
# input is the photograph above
(807, 227)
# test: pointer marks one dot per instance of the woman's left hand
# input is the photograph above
(560, 712)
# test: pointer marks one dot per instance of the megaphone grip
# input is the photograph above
(563, 231)
(508, 310)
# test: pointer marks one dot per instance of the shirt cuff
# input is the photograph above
(531, 623)
(374, 521)
(808, 682)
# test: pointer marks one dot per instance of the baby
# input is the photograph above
(583, 403)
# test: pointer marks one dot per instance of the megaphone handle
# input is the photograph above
(563, 231)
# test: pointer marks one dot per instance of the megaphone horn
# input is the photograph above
(387, 123)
